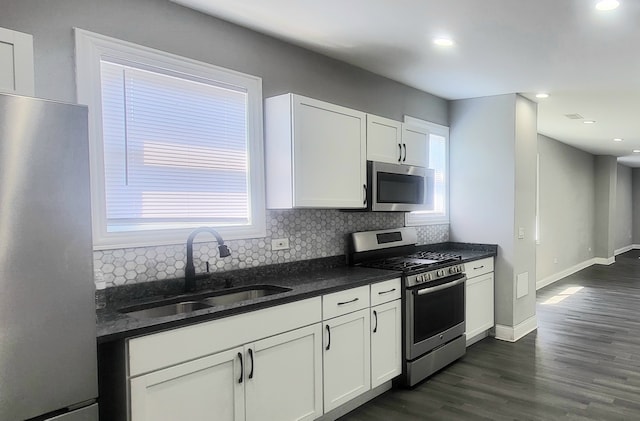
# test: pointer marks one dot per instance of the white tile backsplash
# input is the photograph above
(312, 233)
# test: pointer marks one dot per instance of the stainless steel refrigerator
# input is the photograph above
(48, 365)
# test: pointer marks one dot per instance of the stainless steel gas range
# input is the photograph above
(433, 297)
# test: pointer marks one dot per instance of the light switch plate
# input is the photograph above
(521, 233)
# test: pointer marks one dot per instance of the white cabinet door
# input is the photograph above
(315, 154)
(479, 305)
(415, 145)
(283, 376)
(16, 62)
(329, 155)
(347, 369)
(209, 388)
(384, 140)
(386, 342)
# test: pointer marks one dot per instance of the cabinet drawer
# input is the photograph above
(344, 302)
(164, 349)
(386, 291)
(478, 267)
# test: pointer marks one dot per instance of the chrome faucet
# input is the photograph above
(190, 270)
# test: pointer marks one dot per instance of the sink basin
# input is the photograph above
(235, 295)
(166, 309)
(173, 306)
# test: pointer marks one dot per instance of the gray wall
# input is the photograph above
(606, 172)
(283, 67)
(624, 208)
(169, 27)
(566, 207)
(482, 191)
(526, 149)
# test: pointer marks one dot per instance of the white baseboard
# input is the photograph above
(604, 260)
(569, 271)
(635, 246)
(623, 250)
(513, 333)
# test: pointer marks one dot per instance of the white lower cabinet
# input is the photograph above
(479, 298)
(278, 378)
(204, 389)
(347, 370)
(386, 345)
(479, 307)
(283, 376)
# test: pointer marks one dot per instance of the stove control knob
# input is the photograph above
(427, 277)
(420, 278)
(453, 269)
(440, 272)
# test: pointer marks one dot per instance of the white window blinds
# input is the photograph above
(175, 150)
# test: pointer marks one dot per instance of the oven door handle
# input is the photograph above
(441, 287)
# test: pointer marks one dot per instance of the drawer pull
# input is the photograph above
(241, 368)
(479, 267)
(386, 292)
(348, 302)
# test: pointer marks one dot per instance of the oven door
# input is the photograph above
(434, 315)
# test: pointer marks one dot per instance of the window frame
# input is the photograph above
(431, 218)
(91, 48)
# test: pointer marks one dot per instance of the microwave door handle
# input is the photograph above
(441, 287)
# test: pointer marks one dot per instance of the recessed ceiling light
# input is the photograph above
(443, 42)
(589, 121)
(605, 5)
(636, 151)
(617, 139)
(542, 95)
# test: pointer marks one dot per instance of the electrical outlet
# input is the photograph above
(521, 233)
(555, 260)
(280, 244)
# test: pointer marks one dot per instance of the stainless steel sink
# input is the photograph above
(242, 294)
(187, 304)
(164, 310)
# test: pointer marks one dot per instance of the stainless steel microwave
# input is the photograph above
(395, 187)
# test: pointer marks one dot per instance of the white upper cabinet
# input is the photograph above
(16, 63)
(384, 140)
(415, 145)
(396, 143)
(315, 154)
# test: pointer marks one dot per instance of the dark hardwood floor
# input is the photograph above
(583, 362)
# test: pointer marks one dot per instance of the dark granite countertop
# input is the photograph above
(306, 279)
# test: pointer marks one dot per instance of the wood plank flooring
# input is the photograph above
(583, 362)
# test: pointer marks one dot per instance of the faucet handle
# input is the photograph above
(224, 251)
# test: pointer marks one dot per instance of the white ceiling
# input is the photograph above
(587, 60)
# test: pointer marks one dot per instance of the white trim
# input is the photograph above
(90, 49)
(514, 333)
(564, 273)
(636, 246)
(623, 250)
(604, 260)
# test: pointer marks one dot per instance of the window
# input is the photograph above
(175, 144)
(439, 162)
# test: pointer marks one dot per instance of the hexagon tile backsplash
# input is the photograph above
(312, 233)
